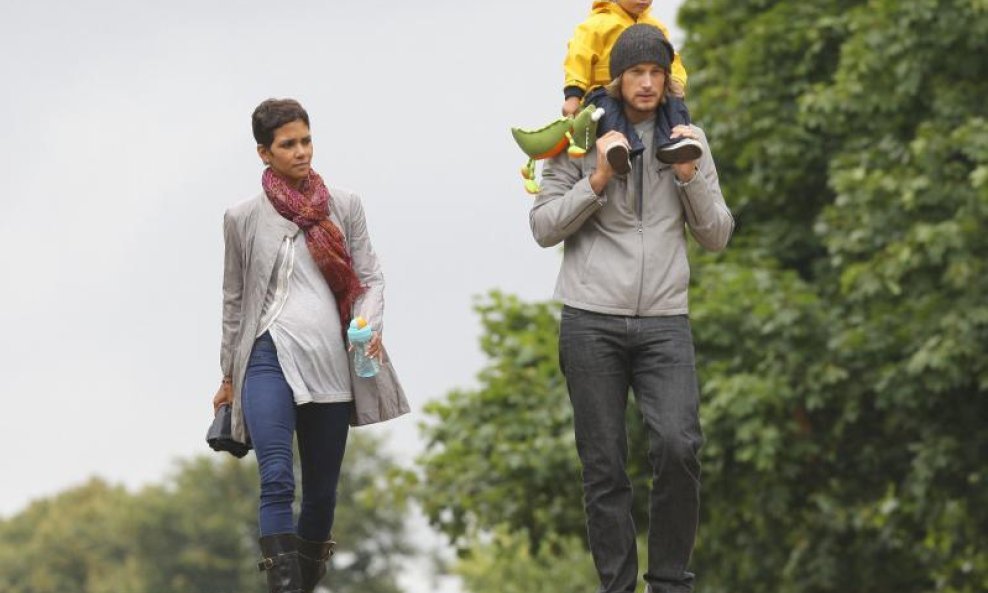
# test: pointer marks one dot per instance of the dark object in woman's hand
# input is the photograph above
(220, 434)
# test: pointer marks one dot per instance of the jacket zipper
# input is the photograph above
(639, 191)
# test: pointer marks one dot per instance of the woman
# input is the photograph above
(298, 267)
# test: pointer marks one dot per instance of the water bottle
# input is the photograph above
(359, 333)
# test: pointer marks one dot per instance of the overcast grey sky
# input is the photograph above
(127, 135)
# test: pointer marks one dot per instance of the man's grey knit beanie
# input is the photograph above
(639, 44)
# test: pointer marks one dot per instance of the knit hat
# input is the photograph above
(639, 44)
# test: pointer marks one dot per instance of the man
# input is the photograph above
(623, 283)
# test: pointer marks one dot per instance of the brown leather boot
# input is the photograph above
(312, 557)
(280, 559)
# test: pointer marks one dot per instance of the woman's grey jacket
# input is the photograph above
(253, 232)
(624, 252)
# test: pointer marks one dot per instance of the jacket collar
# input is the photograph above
(269, 218)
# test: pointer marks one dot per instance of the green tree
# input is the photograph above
(841, 338)
(197, 532)
(507, 565)
(886, 487)
(504, 453)
(70, 544)
(370, 521)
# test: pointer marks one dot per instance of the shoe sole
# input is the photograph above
(683, 151)
(617, 157)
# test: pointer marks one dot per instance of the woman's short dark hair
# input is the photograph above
(272, 114)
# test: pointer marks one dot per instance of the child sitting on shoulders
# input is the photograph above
(587, 68)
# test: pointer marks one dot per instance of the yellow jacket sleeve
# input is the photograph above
(582, 53)
(678, 70)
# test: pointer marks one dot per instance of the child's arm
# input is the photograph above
(582, 52)
(571, 106)
(678, 75)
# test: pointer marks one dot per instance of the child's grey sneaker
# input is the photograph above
(681, 150)
(619, 157)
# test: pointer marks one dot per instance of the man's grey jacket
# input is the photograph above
(624, 252)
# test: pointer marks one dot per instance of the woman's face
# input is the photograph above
(290, 154)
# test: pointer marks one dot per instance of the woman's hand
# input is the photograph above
(224, 395)
(374, 348)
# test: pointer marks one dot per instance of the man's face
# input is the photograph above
(642, 87)
(290, 154)
(635, 7)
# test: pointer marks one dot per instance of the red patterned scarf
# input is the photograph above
(308, 207)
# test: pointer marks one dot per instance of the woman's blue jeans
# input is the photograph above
(272, 419)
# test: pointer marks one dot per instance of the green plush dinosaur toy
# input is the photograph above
(575, 135)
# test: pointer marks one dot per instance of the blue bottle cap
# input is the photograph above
(359, 334)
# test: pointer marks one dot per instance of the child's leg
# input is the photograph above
(614, 118)
(673, 112)
(680, 113)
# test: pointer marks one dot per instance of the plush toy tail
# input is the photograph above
(545, 142)
(574, 151)
(584, 131)
(528, 174)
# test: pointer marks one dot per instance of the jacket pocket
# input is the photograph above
(588, 259)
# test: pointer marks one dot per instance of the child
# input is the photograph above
(587, 68)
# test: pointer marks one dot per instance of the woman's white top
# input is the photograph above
(300, 313)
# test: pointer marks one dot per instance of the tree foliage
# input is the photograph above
(507, 565)
(195, 533)
(505, 453)
(882, 479)
(841, 338)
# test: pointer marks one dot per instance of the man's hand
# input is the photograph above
(604, 172)
(224, 395)
(571, 106)
(684, 171)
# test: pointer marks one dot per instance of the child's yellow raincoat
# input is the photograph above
(588, 55)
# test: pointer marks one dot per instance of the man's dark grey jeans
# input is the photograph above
(601, 357)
